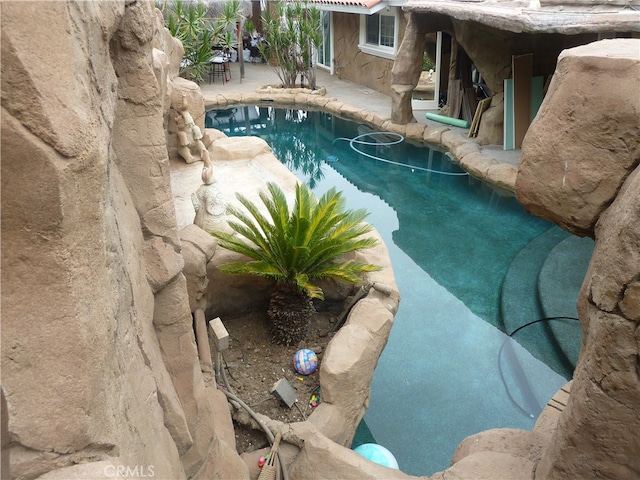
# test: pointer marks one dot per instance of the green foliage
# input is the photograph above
(427, 63)
(230, 12)
(300, 246)
(188, 22)
(292, 37)
(249, 26)
(296, 248)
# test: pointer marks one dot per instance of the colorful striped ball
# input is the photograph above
(305, 361)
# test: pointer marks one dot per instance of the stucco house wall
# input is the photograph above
(351, 64)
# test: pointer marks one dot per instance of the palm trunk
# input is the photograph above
(290, 312)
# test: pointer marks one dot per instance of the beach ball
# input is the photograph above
(305, 361)
(378, 454)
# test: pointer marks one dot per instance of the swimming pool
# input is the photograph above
(448, 370)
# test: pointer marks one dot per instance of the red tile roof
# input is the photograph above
(350, 3)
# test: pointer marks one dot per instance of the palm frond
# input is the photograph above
(348, 272)
(331, 250)
(252, 268)
(313, 291)
(270, 236)
(252, 230)
(300, 245)
(260, 246)
(235, 244)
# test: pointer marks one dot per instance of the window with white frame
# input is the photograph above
(379, 33)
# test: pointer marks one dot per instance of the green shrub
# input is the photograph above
(427, 63)
(189, 22)
(292, 37)
(296, 248)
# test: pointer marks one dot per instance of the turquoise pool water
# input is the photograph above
(448, 370)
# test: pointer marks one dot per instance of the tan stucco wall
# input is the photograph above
(350, 63)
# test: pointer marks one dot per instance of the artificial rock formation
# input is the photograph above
(100, 368)
(581, 169)
(99, 364)
(101, 376)
(406, 72)
(210, 207)
(190, 145)
(576, 156)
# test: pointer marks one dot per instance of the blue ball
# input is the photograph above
(378, 454)
(305, 361)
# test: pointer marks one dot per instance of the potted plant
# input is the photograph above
(296, 248)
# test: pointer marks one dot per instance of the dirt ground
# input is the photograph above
(253, 365)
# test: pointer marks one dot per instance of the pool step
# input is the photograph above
(562, 274)
(559, 283)
(519, 302)
(522, 301)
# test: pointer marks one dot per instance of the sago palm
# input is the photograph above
(296, 248)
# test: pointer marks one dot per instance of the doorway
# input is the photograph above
(325, 47)
(426, 95)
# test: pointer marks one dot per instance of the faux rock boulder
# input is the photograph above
(584, 141)
(186, 136)
(99, 364)
(580, 169)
